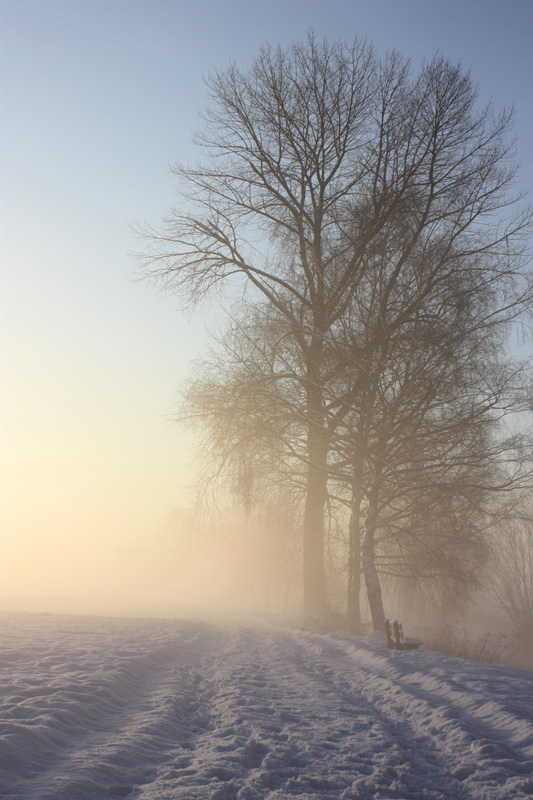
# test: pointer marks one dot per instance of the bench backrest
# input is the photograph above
(398, 634)
(394, 632)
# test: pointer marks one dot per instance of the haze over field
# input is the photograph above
(97, 99)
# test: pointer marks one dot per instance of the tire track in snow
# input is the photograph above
(262, 737)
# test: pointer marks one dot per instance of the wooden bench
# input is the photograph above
(396, 639)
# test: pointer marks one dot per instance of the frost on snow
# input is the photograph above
(152, 709)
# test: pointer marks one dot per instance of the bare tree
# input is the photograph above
(332, 179)
(512, 576)
(425, 451)
(247, 400)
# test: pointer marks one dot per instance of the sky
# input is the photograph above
(96, 100)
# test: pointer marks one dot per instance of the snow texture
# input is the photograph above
(102, 708)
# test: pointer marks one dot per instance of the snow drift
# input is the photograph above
(151, 709)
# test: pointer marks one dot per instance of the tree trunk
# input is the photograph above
(315, 598)
(353, 608)
(373, 587)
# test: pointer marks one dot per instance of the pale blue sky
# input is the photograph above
(96, 99)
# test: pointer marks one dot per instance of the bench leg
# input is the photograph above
(388, 631)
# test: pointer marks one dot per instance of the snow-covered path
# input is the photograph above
(101, 708)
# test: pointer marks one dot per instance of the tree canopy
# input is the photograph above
(365, 216)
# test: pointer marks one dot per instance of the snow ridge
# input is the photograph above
(151, 709)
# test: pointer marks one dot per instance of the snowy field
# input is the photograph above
(101, 708)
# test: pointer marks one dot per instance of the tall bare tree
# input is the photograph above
(326, 166)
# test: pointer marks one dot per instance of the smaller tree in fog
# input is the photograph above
(245, 400)
(421, 438)
(511, 576)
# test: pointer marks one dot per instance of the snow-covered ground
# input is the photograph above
(102, 708)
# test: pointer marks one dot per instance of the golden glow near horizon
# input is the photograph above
(90, 467)
(87, 515)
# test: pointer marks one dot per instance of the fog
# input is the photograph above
(185, 566)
